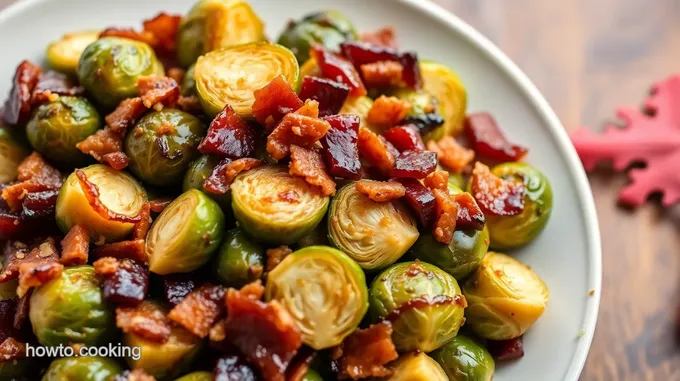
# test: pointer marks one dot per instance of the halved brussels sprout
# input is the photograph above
(360, 106)
(239, 260)
(325, 292)
(328, 28)
(276, 207)
(199, 170)
(63, 54)
(231, 75)
(416, 367)
(163, 158)
(82, 369)
(197, 376)
(189, 83)
(213, 24)
(464, 360)
(71, 309)
(445, 85)
(109, 68)
(375, 234)
(56, 127)
(515, 231)
(185, 235)
(118, 191)
(424, 304)
(168, 359)
(505, 297)
(12, 152)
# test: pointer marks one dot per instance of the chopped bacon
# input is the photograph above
(447, 210)
(377, 151)
(116, 160)
(21, 314)
(91, 191)
(494, 195)
(339, 69)
(387, 111)
(159, 204)
(176, 287)
(226, 171)
(101, 143)
(470, 216)
(35, 177)
(133, 249)
(158, 89)
(229, 135)
(488, 140)
(253, 290)
(276, 255)
(164, 28)
(147, 320)
(75, 246)
(34, 167)
(142, 227)
(11, 349)
(308, 164)
(125, 115)
(39, 204)
(366, 352)
(299, 368)
(384, 36)
(128, 284)
(420, 200)
(12, 225)
(190, 104)
(414, 164)
(381, 191)
(200, 310)
(331, 95)
(506, 350)
(361, 53)
(14, 194)
(129, 33)
(176, 73)
(51, 84)
(34, 274)
(17, 107)
(451, 154)
(383, 74)
(437, 180)
(405, 138)
(296, 129)
(105, 266)
(39, 251)
(340, 148)
(234, 368)
(134, 375)
(273, 101)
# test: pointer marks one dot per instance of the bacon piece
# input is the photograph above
(128, 284)
(34, 274)
(159, 204)
(506, 350)
(387, 111)
(11, 350)
(176, 73)
(146, 320)
(75, 246)
(200, 310)
(299, 368)
(129, 33)
(17, 107)
(381, 191)
(12, 225)
(164, 28)
(34, 175)
(158, 89)
(382, 74)
(91, 192)
(52, 83)
(338, 68)
(37, 205)
(273, 101)
(190, 104)
(176, 287)
(488, 140)
(38, 251)
(133, 249)
(414, 164)
(105, 266)
(229, 136)
(405, 138)
(308, 164)
(253, 290)
(366, 352)
(361, 53)
(116, 160)
(451, 154)
(22, 311)
(377, 151)
(331, 95)
(494, 195)
(384, 36)
(34, 167)
(134, 375)
(437, 180)
(125, 115)
(142, 227)
(234, 368)
(470, 216)
(101, 143)
(420, 200)
(296, 129)
(447, 210)
(226, 171)
(276, 255)
(264, 332)
(340, 148)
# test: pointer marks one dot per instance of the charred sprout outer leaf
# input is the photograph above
(240, 260)
(82, 369)
(445, 85)
(464, 360)
(63, 54)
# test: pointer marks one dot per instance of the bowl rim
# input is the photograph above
(554, 126)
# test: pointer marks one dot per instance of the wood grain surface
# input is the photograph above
(588, 57)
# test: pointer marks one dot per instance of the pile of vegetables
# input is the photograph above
(318, 208)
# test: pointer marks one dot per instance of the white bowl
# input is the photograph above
(566, 255)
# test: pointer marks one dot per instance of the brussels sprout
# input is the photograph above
(82, 369)
(360, 106)
(162, 158)
(464, 360)
(71, 309)
(188, 83)
(276, 207)
(12, 152)
(197, 376)
(240, 260)
(423, 302)
(221, 75)
(63, 54)
(118, 191)
(168, 359)
(505, 297)
(327, 28)
(325, 292)
(444, 84)
(515, 231)
(312, 375)
(185, 234)
(213, 24)
(416, 367)
(421, 102)
(13, 370)
(56, 127)
(199, 170)
(375, 234)
(109, 68)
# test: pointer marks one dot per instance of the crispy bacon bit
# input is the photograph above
(142, 227)
(488, 140)
(200, 310)
(381, 191)
(387, 111)
(11, 350)
(229, 136)
(34, 274)
(405, 138)
(125, 115)
(146, 320)
(301, 363)
(101, 143)
(340, 69)
(415, 164)
(451, 154)
(34, 167)
(134, 375)
(154, 89)
(296, 129)
(129, 33)
(159, 204)
(361, 53)
(420, 200)
(253, 290)
(75, 246)
(165, 128)
(494, 195)
(365, 352)
(39, 204)
(383, 74)
(91, 192)
(52, 83)
(308, 164)
(128, 284)
(177, 287)
(116, 160)
(331, 95)
(164, 28)
(22, 311)
(437, 180)
(276, 255)
(507, 350)
(35, 176)
(189, 104)
(377, 151)
(340, 148)
(469, 216)
(39, 251)
(234, 368)
(273, 101)
(125, 249)
(384, 36)
(105, 266)
(447, 210)
(176, 73)
(18, 104)
(12, 225)
(226, 171)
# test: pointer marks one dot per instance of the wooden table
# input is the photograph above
(588, 57)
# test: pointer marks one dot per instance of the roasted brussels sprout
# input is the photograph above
(276, 207)
(464, 360)
(239, 260)
(168, 359)
(188, 83)
(328, 28)
(423, 302)
(213, 24)
(505, 297)
(160, 155)
(109, 68)
(199, 170)
(71, 309)
(231, 75)
(82, 369)
(515, 231)
(12, 152)
(197, 376)
(312, 375)
(444, 84)
(416, 367)
(325, 292)
(63, 54)
(56, 127)
(375, 234)
(359, 106)
(185, 234)
(118, 191)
